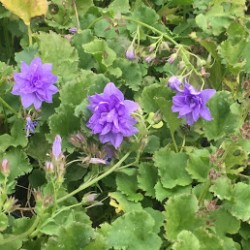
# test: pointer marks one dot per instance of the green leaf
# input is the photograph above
(158, 218)
(222, 188)
(3, 221)
(170, 117)
(150, 95)
(133, 230)
(209, 240)
(127, 184)
(224, 222)
(186, 241)
(153, 144)
(17, 137)
(104, 55)
(64, 122)
(162, 193)
(172, 168)
(181, 215)
(123, 203)
(199, 164)
(119, 6)
(239, 205)
(147, 178)
(57, 50)
(224, 121)
(132, 73)
(18, 163)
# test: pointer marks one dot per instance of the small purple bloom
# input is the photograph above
(130, 54)
(150, 58)
(30, 126)
(73, 30)
(57, 146)
(189, 102)
(111, 117)
(35, 83)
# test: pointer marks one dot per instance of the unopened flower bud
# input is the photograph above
(172, 58)
(73, 30)
(150, 58)
(10, 205)
(181, 65)
(77, 139)
(49, 167)
(97, 161)
(89, 198)
(5, 167)
(57, 146)
(152, 47)
(130, 54)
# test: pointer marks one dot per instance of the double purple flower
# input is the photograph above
(111, 117)
(35, 83)
(189, 102)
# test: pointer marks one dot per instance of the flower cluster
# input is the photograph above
(189, 102)
(111, 117)
(35, 83)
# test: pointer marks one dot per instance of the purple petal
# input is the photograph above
(57, 146)
(174, 83)
(111, 89)
(206, 94)
(131, 106)
(205, 113)
(27, 100)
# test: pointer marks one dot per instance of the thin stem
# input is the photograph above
(76, 14)
(174, 141)
(204, 192)
(152, 28)
(183, 143)
(29, 34)
(7, 105)
(88, 184)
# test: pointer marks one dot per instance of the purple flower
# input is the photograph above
(73, 30)
(35, 83)
(111, 117)
(30, 126)
(98, 161)
(189, 102)
(57, 146)
(130, 54)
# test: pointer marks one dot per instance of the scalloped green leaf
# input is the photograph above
(199, 164)
(239, 205)
(224, 120)
(222, 188)
(57, 50)
(133, 230)
(147, 178)
(172, 168)
(127, 184)
(186, 241)
(181, 214)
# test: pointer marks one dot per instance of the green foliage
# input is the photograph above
(133, 230)
(170, 186)
(172, 168)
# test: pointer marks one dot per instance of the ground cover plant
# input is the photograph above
(124, 124)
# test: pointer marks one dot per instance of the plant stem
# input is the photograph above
(76, 14)
(29, 34)
(204, 192)
(7, 105)
(152, 28)
(88, 184)
(174, 141)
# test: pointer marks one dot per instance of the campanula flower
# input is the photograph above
(111, 117)
(189, 102)
(30, 126)
(57, 146)
(35, 83)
